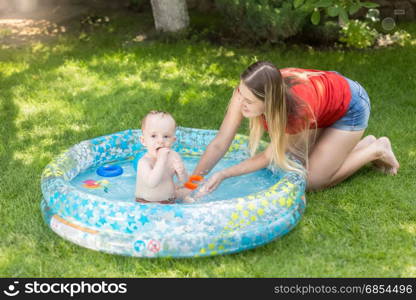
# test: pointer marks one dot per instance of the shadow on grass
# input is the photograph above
(8, 130)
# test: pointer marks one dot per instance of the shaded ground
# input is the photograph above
(44, 23)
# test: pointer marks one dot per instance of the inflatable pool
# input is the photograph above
(100, 213)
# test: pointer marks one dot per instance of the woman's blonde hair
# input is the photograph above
(265, 81)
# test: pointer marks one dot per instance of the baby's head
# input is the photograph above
(158, 130)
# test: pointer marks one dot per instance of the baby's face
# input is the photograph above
(159, 132)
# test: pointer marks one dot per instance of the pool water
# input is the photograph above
(121, 188)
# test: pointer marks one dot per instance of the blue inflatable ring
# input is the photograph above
(110, 171)
(154, 230)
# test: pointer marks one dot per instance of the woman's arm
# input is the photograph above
(220, 144)
(252, 164)
(257, 162)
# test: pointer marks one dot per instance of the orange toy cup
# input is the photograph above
(196, 178)
(190, 185)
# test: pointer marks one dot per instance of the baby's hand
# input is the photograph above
(188, 199)
(162, 153)
(184, 194)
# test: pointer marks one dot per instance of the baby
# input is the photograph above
(155, 170)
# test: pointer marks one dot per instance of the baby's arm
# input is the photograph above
(179, 167)
(153, 176)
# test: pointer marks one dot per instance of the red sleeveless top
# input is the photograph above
(327, 93)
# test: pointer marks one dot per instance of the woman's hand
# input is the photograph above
(213, 182)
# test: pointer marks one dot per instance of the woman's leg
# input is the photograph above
(338, 154)
(369, 139)
(365, 142)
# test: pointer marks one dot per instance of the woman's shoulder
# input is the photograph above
(300, 73)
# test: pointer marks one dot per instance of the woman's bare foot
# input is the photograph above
(369, 139)
(387, 163)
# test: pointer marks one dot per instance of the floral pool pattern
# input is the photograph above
(154, 230)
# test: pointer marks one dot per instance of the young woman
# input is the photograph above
(318, 116)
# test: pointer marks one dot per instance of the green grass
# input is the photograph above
(58, 94)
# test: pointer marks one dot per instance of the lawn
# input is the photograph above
(55, 94)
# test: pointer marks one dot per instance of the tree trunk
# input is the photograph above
(170, 15)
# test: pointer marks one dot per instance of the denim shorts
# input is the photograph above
(358, 113)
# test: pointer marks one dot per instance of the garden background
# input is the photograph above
(66, 77)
